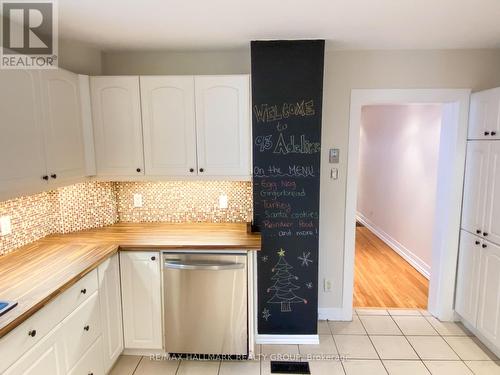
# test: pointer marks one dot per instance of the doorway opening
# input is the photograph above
(390, 219)
(397, 184)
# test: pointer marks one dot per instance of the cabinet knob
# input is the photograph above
(485, 234)
(201, 169)
(478, 231)
(153, 258)
(54, 176)
(32, 333)
(86, 328)
(477, 242)
(486, 133)
(46, 178)
(493, 133)
(191, 170)
(138, 170)
(83, 291)
(484, 246)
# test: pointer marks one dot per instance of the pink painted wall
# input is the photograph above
(399, 150)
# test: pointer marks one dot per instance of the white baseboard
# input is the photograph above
(334, 313)
(407, 255)
(495, 349)
(143, 352)
(287, 339)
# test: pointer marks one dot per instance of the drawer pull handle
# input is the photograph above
(84, 291)
(86, 328)
(486, 133)
(484, 246)
(478, 231)
(32, 333)
(493, 133)
(485, 234)
(477, 242)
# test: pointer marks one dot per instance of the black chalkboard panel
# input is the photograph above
(287, 93)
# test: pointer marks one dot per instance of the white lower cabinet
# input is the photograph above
(478, 287)
(111, 311)
(91, 362)
(488, 317)
(43, 358)
(141, 299)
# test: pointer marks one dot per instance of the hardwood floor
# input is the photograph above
(382, 278)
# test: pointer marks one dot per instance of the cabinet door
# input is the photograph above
(111, 311)
(484, 118)
(467, 292)
(168, 121)
(488, 320)
(491, 230)
(223, 125)
(476, 176)
(44, 358)
(116, 112)
(63, 130)
(22, 159)
(141, 300)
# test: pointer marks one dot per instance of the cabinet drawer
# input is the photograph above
(24, 337)
(80, 330)
(79, 293)
(91, 361)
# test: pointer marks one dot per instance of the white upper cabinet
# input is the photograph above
(469, 263)
(488, 318)
(116, 113)
(484, 117)
(168, 119)
(22, 157)
(223, 125)
(476, 175)
(64, 146)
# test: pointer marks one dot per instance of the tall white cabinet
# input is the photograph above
(141, 299)
(117, 122)
(478, 279)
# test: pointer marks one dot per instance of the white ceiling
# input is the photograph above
(230, 24)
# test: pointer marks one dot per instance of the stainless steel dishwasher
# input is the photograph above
(205, 302)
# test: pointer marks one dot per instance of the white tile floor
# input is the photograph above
(394, 342)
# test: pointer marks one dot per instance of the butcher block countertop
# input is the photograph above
(37, 273)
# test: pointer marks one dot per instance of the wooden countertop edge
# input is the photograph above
(54, 294)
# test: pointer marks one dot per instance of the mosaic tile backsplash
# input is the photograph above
(185, 201)
(97, 204)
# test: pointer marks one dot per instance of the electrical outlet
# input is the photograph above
(223, 201)
(5, 226)
(137, 200)
(327, 285)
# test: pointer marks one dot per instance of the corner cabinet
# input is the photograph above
(223, 125)
(111, 311)
(484, 118)
(42, 140)
(141, 299)
(116, 113)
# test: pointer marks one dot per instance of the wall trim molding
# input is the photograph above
(287, 339)
(334, 313)
(417, 263)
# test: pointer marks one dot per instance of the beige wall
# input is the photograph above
(344, 70)
(79, 57)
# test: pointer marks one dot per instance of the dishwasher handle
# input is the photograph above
(204, 266)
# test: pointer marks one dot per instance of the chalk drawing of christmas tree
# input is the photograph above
(283, 287)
